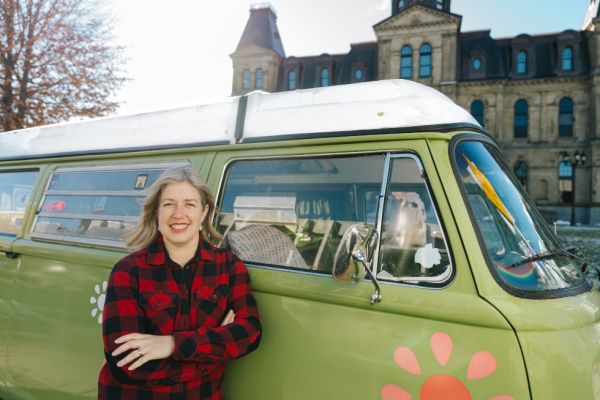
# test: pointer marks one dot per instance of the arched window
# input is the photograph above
(477, 111)
(246, 80)
(522, 62)
(521, 118)
(325, 77)
(567, 59)
(521, 172)
(400, 4)
(406, 62)
(292, 80)
(258, 83)
(565, 117)
(425, 61)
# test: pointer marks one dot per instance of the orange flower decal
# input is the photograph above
(441, 386)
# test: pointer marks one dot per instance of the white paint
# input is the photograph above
(392, 104)
(99, 300)
(428, 256)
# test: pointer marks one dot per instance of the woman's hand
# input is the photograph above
(229, 318)
(143, 348)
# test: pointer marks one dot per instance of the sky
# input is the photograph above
(178, 55)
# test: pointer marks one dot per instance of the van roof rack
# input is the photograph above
(391, 106)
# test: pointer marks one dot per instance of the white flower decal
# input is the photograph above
(98, 300)
(428, 256)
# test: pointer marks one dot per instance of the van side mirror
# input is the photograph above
(354, 257)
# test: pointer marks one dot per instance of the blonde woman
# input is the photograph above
(179, 307)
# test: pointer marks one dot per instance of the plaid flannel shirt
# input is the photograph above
(147, 293)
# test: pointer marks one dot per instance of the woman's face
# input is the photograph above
(180, 214)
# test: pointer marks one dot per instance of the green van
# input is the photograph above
(393, 254)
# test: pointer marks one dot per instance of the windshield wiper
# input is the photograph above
(556, 253)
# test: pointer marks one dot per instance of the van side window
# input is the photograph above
(413, 247)
(94, 205)
(15, 195)
(293, 212)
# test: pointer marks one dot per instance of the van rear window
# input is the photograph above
(15, 195)
(94, 205)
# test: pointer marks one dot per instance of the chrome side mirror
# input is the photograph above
(354, 257)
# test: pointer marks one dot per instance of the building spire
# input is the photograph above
(261, 30)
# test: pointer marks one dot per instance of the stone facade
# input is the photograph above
(470, 67)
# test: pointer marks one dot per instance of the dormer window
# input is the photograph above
(292, 80)
(522, 62)
(567, 59)
(358, 74)
(477, 64)
(325, 77)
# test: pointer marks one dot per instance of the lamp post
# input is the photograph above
(580, 158)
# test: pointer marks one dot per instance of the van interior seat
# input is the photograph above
(264, 244)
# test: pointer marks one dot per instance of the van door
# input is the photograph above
(8, 266)
(430, 337)
(16, 187)
(55, 337)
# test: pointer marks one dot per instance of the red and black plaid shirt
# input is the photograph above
(147, 293)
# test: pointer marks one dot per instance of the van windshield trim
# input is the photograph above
(582, 287)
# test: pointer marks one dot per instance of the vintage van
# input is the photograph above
(393, 254)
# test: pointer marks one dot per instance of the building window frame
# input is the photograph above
(521, 170)
(478, 111)
(292, 80)
(406, 62)
(567, 59)
(325, 77)
(521, 119)
(246, 79)
(522, 58)
(258, 78)
(425, 61)
(566, 117)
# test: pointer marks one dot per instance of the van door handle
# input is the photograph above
(10, 254)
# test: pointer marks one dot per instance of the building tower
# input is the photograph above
(399, 5)
(258, 56)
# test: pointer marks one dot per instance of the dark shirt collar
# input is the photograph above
(157, 252)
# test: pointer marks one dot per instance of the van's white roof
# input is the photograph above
(369, 106)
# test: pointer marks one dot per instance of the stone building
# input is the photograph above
(538, 95)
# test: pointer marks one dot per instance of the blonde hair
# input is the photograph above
(146, 230)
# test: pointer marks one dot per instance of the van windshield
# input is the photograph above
(524, 253)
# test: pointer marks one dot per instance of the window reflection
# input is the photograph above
(511, 231)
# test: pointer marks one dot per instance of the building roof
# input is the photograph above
(261, 30)
(361, 55)
(544, 60)
(362, 108)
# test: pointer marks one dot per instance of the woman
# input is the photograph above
(177, 309)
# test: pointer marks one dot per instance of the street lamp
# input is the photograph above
(580, 158)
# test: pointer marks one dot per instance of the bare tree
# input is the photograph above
(57, 61)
